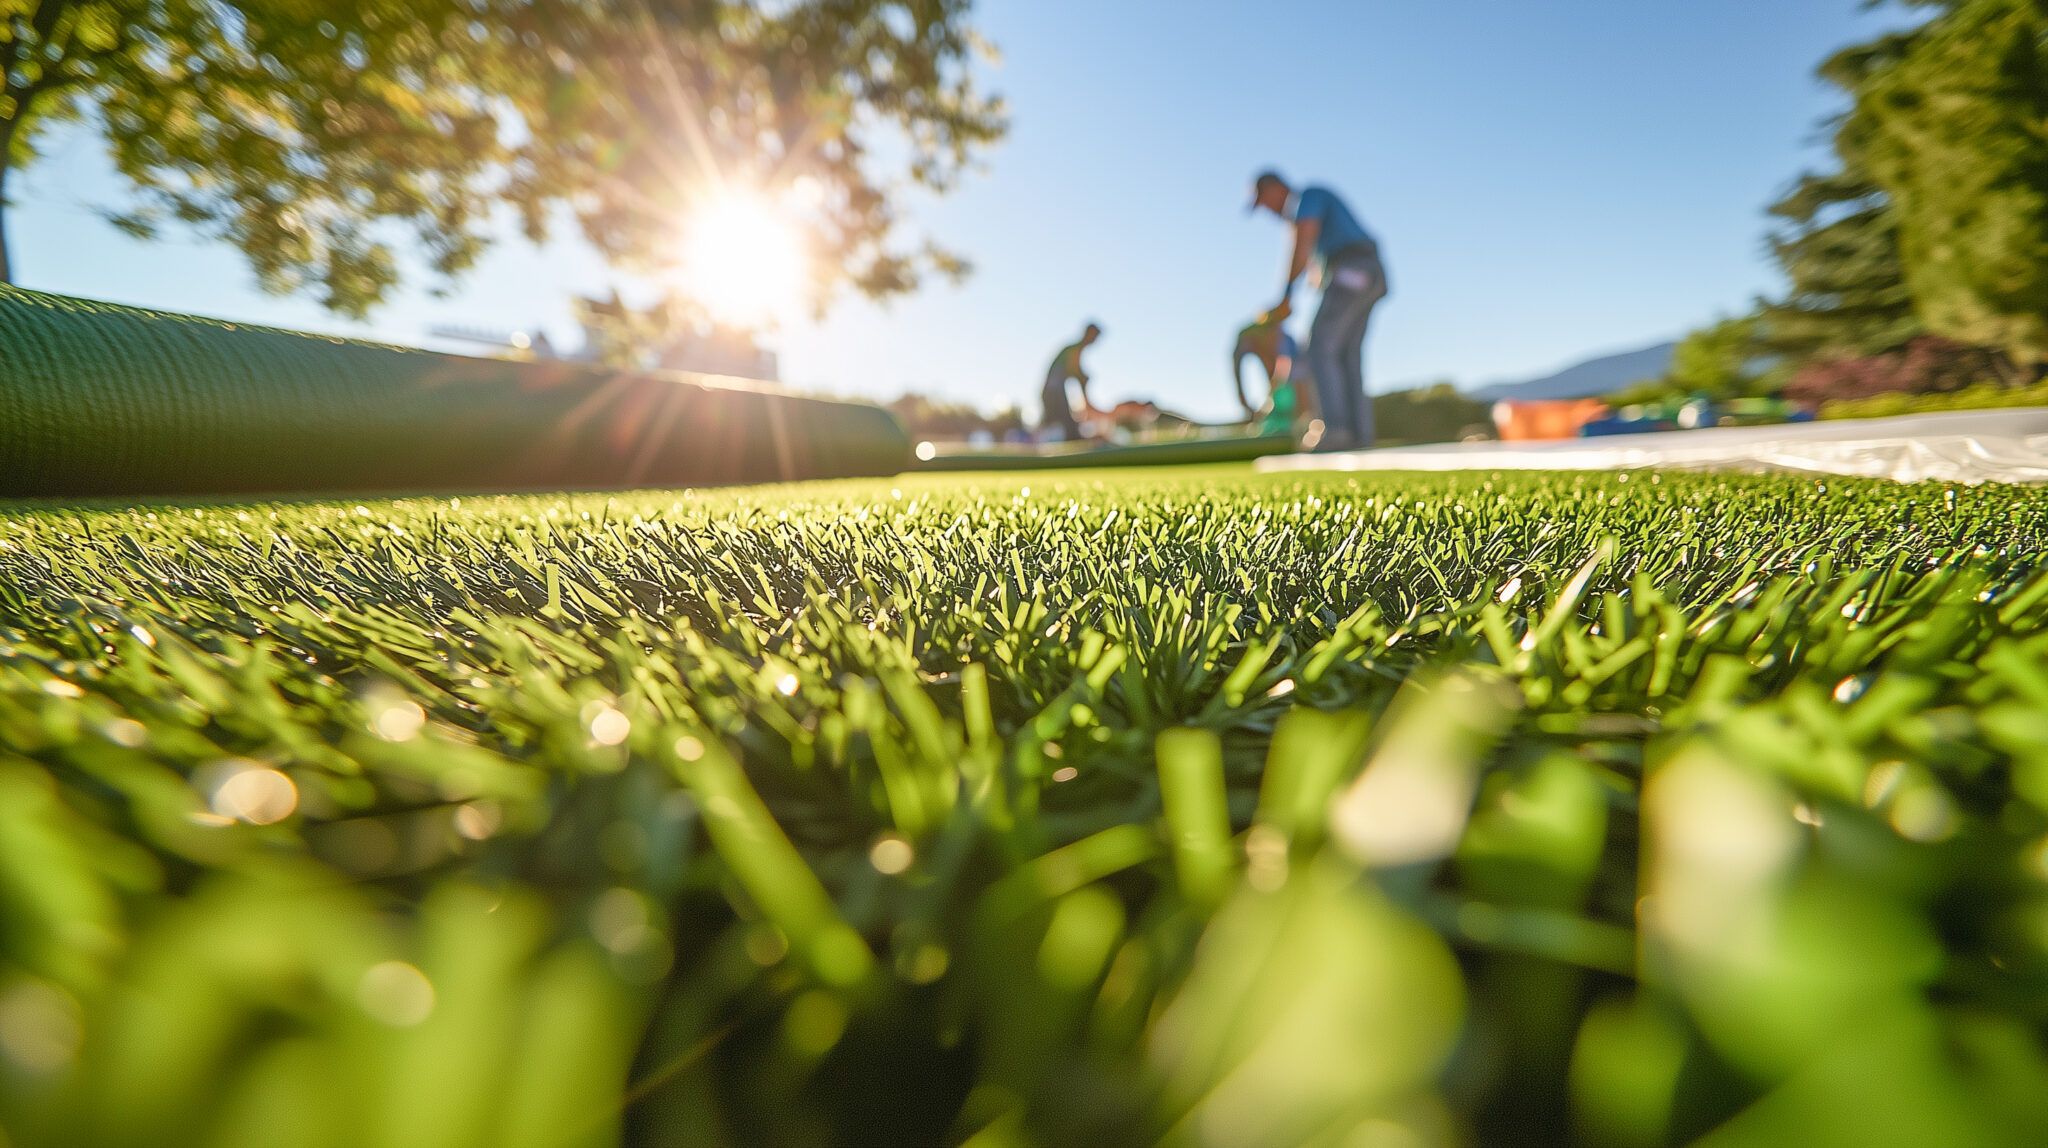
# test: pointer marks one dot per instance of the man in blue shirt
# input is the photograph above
(1347, 265)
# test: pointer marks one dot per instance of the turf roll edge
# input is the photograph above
(1188, 452)
(103, 399)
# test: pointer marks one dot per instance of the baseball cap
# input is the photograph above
(1268, 174)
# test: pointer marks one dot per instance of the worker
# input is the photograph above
(1057, 424)
(1288, 389)
(1347, 266)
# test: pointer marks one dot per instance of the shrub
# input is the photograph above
(1984, 396)
(1436, 413)
(1929, 364)
(928, 418)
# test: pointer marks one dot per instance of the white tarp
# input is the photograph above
(2008, 445)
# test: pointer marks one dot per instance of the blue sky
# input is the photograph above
(1548, 180)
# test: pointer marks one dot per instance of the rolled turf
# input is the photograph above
(102, 399)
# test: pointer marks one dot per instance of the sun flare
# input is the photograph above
(743, 260)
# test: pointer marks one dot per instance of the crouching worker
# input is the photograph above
(1290, 404)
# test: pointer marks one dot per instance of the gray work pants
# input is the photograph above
(1353, 281)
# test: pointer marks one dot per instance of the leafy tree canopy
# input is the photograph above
(1719, 361)
(306, 131)
(1838, 246)
(1949, 121)
(1837, 234)
(1837, 241)
(1723, 360)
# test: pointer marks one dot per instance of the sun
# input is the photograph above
(742, 259)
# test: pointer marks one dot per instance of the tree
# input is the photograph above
(1722, 360)
(1949, 121)
(1439, 412)
(305, 132)
(295, 131)
(618, 334)
(924, 417)
(1838, 244)
(1922, 259)
(782, 106)
(1847, 294)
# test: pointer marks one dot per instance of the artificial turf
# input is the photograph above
(1190, 805)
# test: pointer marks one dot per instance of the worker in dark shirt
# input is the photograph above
(1347, 265)
(1058, 421)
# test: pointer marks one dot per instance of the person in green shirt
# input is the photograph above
(1058, 424)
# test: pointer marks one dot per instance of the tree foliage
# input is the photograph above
(1719, 361)
(925, 417)
(295, 131)
(787, 103)
(305, 133)
(1861, 300)
(1838, 246)
(1723, 360)
(1838, 243)
(618, 334)
(1439, 412)
(1949, 121)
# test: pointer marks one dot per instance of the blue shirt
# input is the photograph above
(1340, 228)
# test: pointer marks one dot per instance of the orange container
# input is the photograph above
(1530, 420)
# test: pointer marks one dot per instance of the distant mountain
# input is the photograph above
(1593, 377)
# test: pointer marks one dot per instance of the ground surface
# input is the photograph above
(1031, 809)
